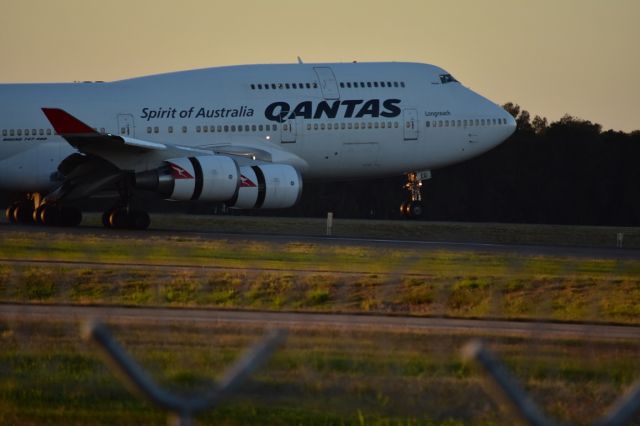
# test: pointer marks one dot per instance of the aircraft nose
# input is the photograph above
(511, 124)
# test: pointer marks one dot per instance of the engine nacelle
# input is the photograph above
(267, 186)
(205, 178)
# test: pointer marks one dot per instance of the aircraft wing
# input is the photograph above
(89, 141)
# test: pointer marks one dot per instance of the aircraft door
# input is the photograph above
(125, 125)
(288, 131)
(328, 83)
(410, 124)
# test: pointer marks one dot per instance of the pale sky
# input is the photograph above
(552, 57)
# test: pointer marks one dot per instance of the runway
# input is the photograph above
(456, 246)
(293, 320)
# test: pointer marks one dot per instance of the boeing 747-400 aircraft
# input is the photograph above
(243, 135)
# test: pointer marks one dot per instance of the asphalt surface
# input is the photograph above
(292, 320)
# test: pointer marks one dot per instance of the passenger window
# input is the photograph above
(197, 129)
(170, 129)
(395, 84)
(369, 125)
(239, 128)
(368, 84)
(459, 123)
(315, 126)
(402, 84)
(294, 85)
(309, 126)
(388, 84)
(274, 127)
(233, 128)
(375, 84)
(273, 86)
(212, 128)
(349, 126)
(464, 123)
(382, 125)
(219, 128)
(342, 85)
(4, 132)
(446, 123)
(477, 122)
(184, 129)
(494, 121)
(253, 87)
(349, 85)
(260, 127)
(286, 85)
(389, 124)
(308, 86)
(382, 84)
(226, 128)
(440, 123)
(48, 132)
(356, 126)
(322, 126)
(482, 122)
(280, 86)
(156, 130)
(428, 123)
(205, 129)
(342, 126)
(26, 132)
(268, 127)
(362, 84)
(259, 86)
(315, 85)
(11, 132)
(246, 128)
(34, 132)
(253, 128)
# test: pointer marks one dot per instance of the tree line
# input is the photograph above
(565, 172)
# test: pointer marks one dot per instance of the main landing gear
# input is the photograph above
(413, 208)
(34, 210)
(122, 216)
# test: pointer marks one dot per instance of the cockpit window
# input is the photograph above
(447, 78)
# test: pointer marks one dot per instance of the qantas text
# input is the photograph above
(358, 108)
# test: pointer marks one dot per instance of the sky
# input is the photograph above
(551, 57)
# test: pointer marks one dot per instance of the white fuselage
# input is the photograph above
(330, 121)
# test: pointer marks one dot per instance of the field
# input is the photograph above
(322, 375)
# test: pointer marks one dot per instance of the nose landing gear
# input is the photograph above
(413, 208)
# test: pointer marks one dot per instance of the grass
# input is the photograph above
(321, 376)
(587, 298)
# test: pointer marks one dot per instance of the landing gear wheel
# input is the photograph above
(23, 212)
(119, 218)
(139, 219)
(412, 209)
(10, 213)
(48, 214)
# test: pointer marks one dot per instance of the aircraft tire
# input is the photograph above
(139, 219)
(415, 209)
(119, 218)
(10, 212)
(23, 212)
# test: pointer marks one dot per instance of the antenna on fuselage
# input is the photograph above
(300, 60)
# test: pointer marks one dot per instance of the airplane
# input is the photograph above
(244, 135)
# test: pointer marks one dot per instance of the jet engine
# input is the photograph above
(267, 186)
(204, 178)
